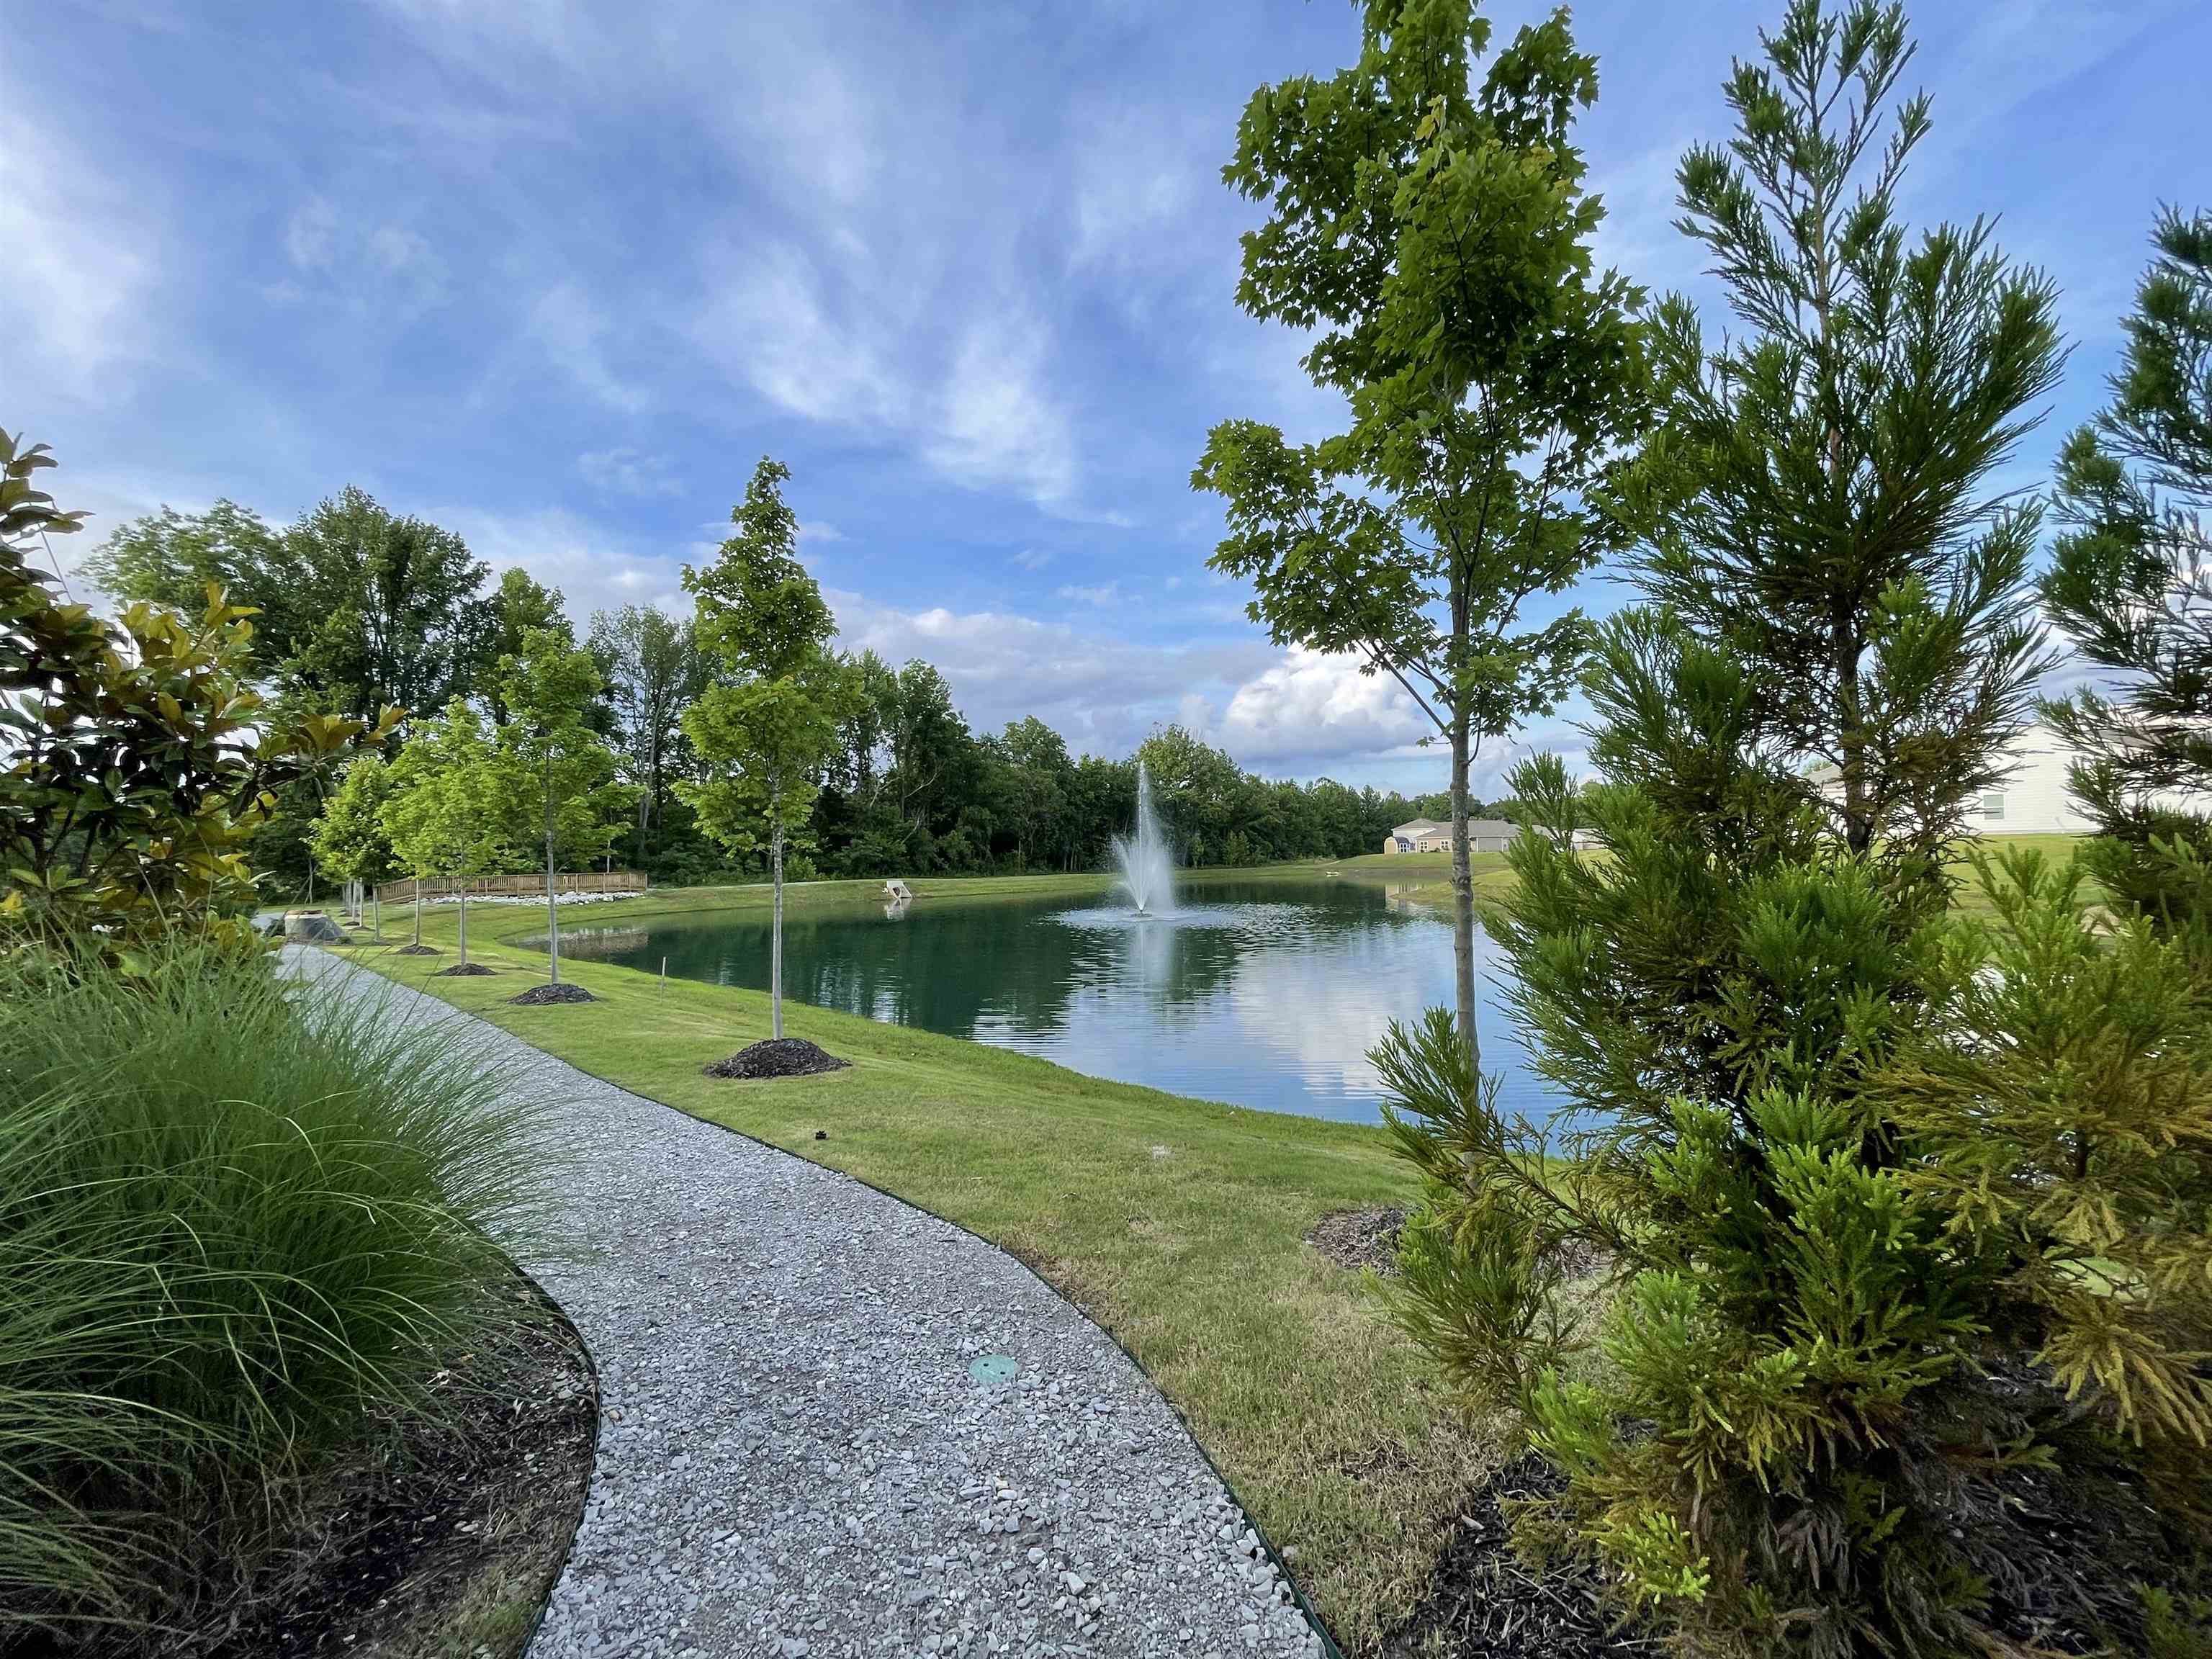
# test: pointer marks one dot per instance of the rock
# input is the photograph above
(311, 927)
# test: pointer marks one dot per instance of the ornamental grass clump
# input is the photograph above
(240, 1231)
(1903, 1339)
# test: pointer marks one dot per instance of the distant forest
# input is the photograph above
(361, 608)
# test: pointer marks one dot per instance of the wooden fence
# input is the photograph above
(528, 885)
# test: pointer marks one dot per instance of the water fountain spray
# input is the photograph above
(1147, 869)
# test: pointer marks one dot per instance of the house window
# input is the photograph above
(1993, 805)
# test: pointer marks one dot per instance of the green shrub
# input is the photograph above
(240, 1229)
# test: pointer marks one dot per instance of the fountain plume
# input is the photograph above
(1147, 871)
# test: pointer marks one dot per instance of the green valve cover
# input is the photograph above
(994, 1368)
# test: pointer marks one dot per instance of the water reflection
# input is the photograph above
(1266, 995)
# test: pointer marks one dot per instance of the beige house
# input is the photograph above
(2034, 796)
(1427, 835)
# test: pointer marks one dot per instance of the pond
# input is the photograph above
(1264, 992)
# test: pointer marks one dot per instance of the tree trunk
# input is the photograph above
(552, 904)
(465, 924)
(418, 910)
(776, 942)
(1462, 892)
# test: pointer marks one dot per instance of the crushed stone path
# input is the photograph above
(793, 1458)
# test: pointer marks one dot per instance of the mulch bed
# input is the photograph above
(463, 1535)
(778, 1057)
(1484, 1602)
(538, 996)
(416, 951)
(436, 1536)
(460, 969)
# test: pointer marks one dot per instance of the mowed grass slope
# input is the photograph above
(1178, 1225)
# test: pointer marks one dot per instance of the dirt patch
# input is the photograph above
(1361, 1238)
(1485, 1600)
(538, 996)
(778, 1057)
(417, 950)
(463, 970)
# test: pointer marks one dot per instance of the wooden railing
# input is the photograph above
(530, 884)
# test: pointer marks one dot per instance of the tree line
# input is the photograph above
(361, 609)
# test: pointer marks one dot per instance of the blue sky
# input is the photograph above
(557, 272)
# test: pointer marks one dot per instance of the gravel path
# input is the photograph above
(795, 1459)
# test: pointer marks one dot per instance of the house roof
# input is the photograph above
(1487, 827)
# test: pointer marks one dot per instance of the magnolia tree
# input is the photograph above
(140, 760)
(560, 773)
(448, 815)
(765, 731)
(1432, 229)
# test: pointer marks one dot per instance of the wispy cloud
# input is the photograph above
(1104, 594)
(572, 332)
(80, 259)
(623, 471)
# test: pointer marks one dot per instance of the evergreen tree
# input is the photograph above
(2131, 582)
(1792, 1441)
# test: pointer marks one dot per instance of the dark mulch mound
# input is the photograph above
(1484, 1602)
(416, 951)
(778, 1057)
(538, 995)
(1361, 1238)
(461, 970)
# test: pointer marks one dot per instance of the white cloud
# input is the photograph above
(1104, 594)
(1031, 558)
(595, 569)
(623, 472)
(1311, 705)
(79, 263)
(1102, 694)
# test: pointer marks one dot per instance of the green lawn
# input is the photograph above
(1177, 1224)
